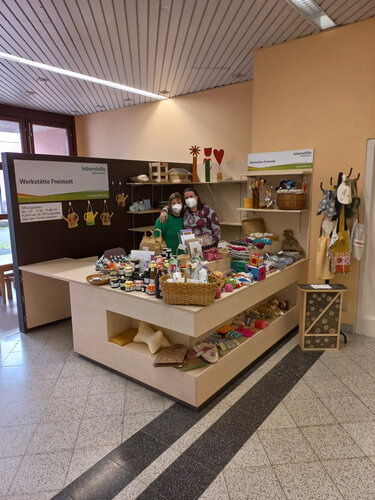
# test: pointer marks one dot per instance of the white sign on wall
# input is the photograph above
(38, 181)
(36, 212)
(281, 160)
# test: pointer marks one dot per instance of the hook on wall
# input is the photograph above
(350, 173)
(321, 186)
(330, 181)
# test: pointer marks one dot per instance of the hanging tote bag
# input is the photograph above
(340, 250)
(357, 239)
(152, 243)
(322, 259)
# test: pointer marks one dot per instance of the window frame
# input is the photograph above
(29, 117)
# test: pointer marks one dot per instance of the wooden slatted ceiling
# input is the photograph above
(182, 46)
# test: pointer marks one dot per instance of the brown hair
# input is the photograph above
(174, 196)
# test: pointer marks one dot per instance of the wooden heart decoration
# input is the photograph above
(218, 154)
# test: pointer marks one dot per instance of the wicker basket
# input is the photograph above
(224, 252)
(291, 201)
(198, 294)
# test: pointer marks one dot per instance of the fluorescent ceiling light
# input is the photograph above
(313, 13)
(79, 76)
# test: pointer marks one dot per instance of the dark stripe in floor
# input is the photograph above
(195, 469)
(115, 471)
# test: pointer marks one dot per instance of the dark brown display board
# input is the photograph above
(40, 241)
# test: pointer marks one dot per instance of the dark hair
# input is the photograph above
(174, 196)
(200, 202)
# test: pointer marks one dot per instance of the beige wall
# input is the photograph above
(164, 130)
(319, 92)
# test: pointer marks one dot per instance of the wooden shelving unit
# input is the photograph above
(229, 181)
(141, 229)
(272, 210)
(283, 173)
(140, 212)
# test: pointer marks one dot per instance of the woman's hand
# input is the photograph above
(163, 217)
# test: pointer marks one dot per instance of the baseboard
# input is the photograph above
(347, 328)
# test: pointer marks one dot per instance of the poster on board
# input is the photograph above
(41, 181)
(38, 212)
(281, 160)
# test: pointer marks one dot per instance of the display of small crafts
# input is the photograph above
(71, 218)
(121, 197)
(105, 216)
(207, 164)
(195, 150)
(89, 216)
(290, 186)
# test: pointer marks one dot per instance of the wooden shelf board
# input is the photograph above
(296, 171)
(142, 349)
(272, 210)
(141, 229)
(231, 181)
(153, 211)
(228, 223)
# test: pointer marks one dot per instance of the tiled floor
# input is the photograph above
(61, 414)
(8, 316)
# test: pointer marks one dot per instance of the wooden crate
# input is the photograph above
(320, 317)
(158, 172)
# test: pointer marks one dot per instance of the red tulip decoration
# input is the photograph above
(207, 163)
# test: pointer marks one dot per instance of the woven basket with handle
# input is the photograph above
(184, 293)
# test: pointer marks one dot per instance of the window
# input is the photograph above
(10, 137)
(50, 140)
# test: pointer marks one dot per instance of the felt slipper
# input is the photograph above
(207, 351)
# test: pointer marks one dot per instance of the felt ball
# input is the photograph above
(228, 287)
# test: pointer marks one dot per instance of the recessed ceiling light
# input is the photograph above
(30, 92)
(164, 92)
(237, 76)
(74, 112)
(42, 80)
(79, 76)
(100, 107)
(313, 13)
(128, 100)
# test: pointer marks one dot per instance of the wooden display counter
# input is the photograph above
(57, 289)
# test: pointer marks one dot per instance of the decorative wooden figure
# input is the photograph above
(71, 217)
(121, 197)
(207, 164)
(219, 154)
(195, 150)
(105, 216)
(89, 216)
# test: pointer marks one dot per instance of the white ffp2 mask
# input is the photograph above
(191, 202)
(176, 209)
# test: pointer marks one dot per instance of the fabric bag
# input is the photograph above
(322, 260)
(358, 239)
(340, 249)
(152, 243)
(344, 192)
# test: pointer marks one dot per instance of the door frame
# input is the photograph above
(365, 324)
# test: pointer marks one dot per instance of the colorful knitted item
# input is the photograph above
(246, 332)
(234, 334)
(226, 344)
(224, 329)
